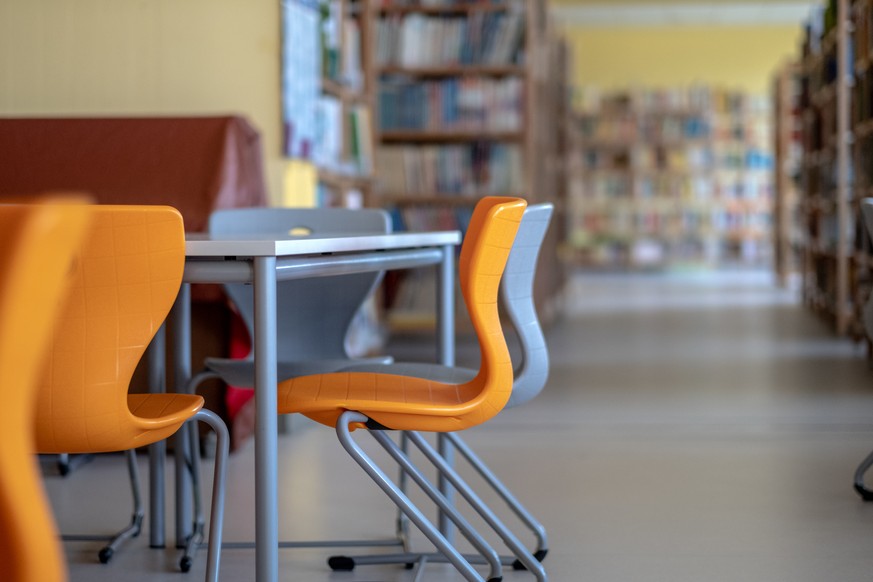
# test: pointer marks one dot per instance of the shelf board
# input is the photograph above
(471, 70)
(340, 180)
(342, 92)
(436, 198)
(449, 136)
(457, 8)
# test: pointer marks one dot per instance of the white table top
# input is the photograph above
(205, 245)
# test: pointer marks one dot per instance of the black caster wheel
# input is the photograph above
(105, 555)
(866, 494)
(341, 563)
(185, 564)
(497, 579)
(409, 565)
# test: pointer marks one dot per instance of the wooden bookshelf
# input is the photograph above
(827, 268)
(461, 111)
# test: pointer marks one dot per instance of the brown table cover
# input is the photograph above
(197, 164)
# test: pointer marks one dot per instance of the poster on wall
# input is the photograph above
(301, 76)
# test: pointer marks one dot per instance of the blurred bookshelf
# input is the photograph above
(670, 179)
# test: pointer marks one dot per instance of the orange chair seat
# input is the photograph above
(154, 417)
(397, 402)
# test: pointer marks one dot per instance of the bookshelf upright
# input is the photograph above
(827, 267)
(787, 233)
(343, 146)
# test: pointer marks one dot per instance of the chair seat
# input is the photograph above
(394, 401)
(164, 409)
(436, 372)
(241, 373)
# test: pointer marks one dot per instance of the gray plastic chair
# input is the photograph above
(313, 316)
(865, 493)
(516, 292)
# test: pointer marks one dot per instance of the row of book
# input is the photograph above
(692, 100)
(451, 104)
(668, 224)
(471, 170)
(448, 3)
(429, 217)
(340, 39)
(724, 188)
(643, 157)
(343, 137)
(641, 127)
(416, 40)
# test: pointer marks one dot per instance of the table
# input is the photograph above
(263, 262)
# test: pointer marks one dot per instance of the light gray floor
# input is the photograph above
(694, 429)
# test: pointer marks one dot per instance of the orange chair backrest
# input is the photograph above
(36, 246)
(127, 277)
(486, 247)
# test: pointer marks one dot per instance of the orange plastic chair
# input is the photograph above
(127, 276)
(36, 246)
(350, 400)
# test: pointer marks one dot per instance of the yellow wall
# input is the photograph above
(93, 57)
(734, 57)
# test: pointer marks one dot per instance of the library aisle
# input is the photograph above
(694, 428)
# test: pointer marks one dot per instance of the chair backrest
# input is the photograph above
(36, 245)
(127, 276)
(516, 293)
(484, 254)
(313, 315)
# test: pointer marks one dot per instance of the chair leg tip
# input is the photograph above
(866, 494)
(185, 564)
(105, 555)
(341, 563)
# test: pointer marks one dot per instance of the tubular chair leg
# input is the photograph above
(216, 524)
(481, 508)
(402, 459)
(524, 556)
(399, 540)
(511, 500)
(135, 526)
(68, 463)
(514, 560)
(865, 493)
(400, 499)
(192, 463)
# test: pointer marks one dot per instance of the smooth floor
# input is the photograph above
(695, 428)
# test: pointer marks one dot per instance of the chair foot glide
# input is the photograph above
(540, 555)
(341, 563)
(863, 492)
(185, 563)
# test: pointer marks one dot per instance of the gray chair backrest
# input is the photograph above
(516, 292)
(313, 315)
